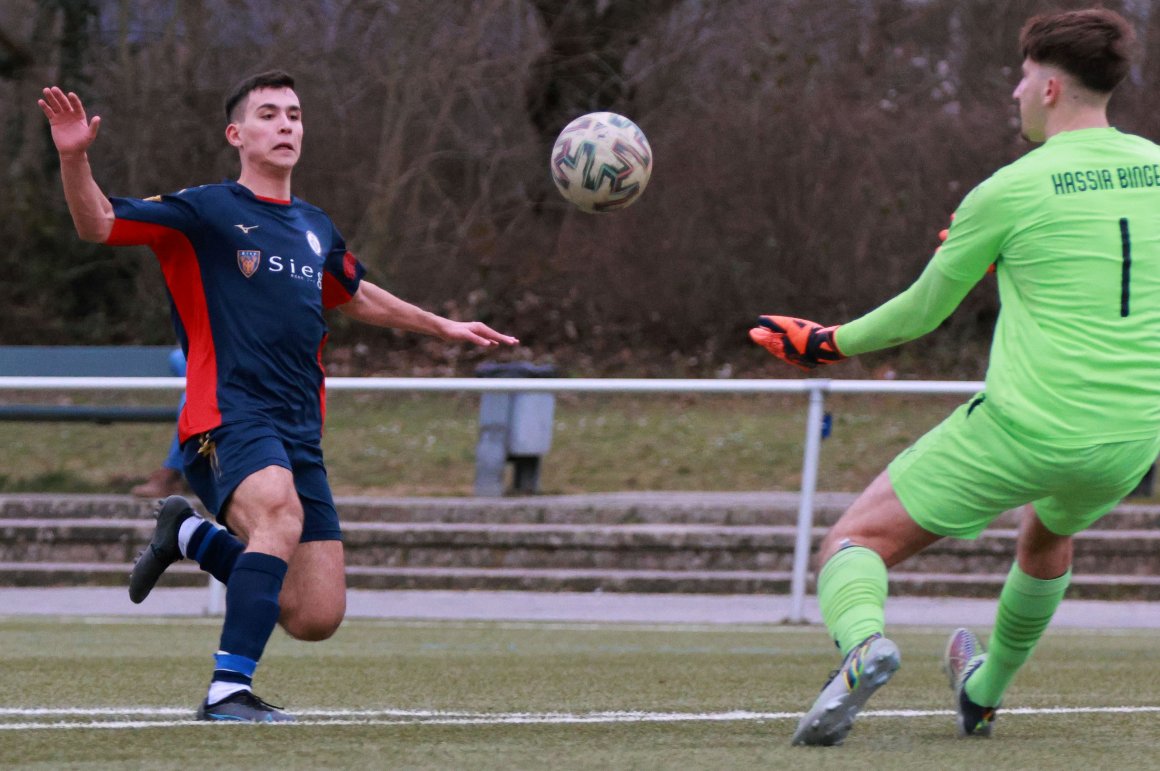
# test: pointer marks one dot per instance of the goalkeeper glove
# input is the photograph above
(804, 344)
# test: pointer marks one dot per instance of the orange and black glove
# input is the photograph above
(804, 344)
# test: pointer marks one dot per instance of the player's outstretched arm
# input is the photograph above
(908, 316)
(73, 133)
(372, 304)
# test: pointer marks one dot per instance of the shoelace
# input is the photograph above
(257, 701)
(969, 650)
(849, 656)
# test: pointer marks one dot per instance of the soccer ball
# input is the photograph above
(601, 162)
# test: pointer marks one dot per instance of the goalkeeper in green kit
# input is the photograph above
(1069, 421)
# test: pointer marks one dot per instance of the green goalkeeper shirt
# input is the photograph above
(1074, 230)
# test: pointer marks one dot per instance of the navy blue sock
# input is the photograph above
(251, 614)
(215, 550)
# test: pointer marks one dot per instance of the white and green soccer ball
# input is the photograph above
(601, 162)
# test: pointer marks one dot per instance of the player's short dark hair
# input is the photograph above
(1095, 46)
(268, 79)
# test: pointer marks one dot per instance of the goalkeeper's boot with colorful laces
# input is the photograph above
(964, 655)
(243, 707)
(162, 550)
(865, 669)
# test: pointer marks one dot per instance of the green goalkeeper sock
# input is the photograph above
(1026, 606)
(852, 596)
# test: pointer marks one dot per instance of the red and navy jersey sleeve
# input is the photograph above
(167, 225)
(343, 273)
(150, 221)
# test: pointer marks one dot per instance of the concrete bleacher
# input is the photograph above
(722, 543)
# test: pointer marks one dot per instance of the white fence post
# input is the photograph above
(215, 604)
(805, 522)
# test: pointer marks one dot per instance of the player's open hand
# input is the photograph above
(72, 131)
(804, 344)
(476, 332)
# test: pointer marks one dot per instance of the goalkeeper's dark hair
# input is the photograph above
(1095, 46)
(268, 79)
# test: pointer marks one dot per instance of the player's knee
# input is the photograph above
(312, 627)
(283, 521)
(313, 632)
(833, 542)
(287, 512)
(272, 524)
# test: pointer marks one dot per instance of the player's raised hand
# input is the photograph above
(476, 332)
(804, 344)
(72, 131)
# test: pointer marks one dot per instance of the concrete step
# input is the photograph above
(73, 506)
(608, 508)
(585, 547)
(1082, 586)
(742, 508)
(72, 540)
(770, 508)
(1097, 552)
(639, 542)
(44, 574)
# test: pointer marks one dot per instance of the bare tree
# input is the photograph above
(806, 155)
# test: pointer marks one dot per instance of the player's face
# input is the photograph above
(269, 133)
(1032, 95)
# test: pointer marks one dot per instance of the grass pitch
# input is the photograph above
(120, 693)
(424, 444)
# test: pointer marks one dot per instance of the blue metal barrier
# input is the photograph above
(86, 361)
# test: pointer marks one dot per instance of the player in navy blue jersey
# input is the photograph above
(249, 270)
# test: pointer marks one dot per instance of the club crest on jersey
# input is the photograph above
(248, 260)
(314, 243)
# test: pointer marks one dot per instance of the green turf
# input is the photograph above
(495, 672)
(424, 444)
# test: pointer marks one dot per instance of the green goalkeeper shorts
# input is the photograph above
(969, 469)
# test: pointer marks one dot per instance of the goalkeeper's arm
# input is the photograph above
(910, 315)
(918, 310)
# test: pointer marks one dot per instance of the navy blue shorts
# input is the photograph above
(242, 448)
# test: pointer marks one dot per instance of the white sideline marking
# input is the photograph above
(329, 717)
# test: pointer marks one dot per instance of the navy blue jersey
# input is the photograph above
(249, 278)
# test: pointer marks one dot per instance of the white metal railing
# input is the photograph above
(814, 388)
